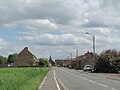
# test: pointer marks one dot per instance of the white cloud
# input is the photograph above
(7, 48)
(35, 23)
(2, 42)
(55, 40)
(40, 23)
(62, 24)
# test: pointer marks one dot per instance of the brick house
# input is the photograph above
(87, 59)
(66, 63)
(73, 63)
(80, 61)
(62, 63)
(59, 62)
(26, 58)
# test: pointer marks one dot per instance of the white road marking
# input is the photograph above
(62, 84)
(42, 82)
(80, 77)
(114, 89)
(92, 81)
(84, 78)
(58, 87)
(89, 80)
(102, 85)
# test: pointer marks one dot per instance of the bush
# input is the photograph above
(109, 61)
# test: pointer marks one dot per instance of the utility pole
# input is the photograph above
(71, 55)
(94, 56)
(76, 52)
(94, 47)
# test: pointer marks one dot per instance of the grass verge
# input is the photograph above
(21, 78)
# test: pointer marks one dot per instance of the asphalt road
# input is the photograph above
(75, 80)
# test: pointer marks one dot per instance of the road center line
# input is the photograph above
(84, 78)
(102, 85)
(92, 81)
(114, 89)
(89, 80)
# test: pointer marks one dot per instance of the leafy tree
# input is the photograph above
(44, 61)
(102, 65)
(12, 58)
(3, 60)
(115, 67)
(109, 61)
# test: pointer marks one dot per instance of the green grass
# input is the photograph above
(21, 78)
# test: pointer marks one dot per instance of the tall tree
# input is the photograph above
(12, 58)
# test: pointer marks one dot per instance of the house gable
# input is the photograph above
(26, 58)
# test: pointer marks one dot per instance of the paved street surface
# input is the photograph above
(50, 82)
(75, 80)
(108, 75)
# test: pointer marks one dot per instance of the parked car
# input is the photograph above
(70, 67)
(87, 68)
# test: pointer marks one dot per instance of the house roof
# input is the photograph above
(25, 49)
(25, 53)
(79, 57)
(85, 55)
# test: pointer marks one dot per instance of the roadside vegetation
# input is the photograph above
(43, 62)
(108, 61)
(21, 78)
(3, 60)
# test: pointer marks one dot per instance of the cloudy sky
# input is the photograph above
(58, 27)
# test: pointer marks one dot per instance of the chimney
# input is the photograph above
(26, 48)
(87, 51)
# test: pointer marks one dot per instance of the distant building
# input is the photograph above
(80, 61)
(73, 63)
(62, 63)
(26, 58)
(66, 63)
(51, 62)
(87, 59)
(59, 62)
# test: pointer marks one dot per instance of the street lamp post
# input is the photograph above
(93, 44)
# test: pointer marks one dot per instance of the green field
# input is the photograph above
(21, 78)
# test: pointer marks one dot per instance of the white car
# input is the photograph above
(87, 68)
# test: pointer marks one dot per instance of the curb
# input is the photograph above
(43, 80)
